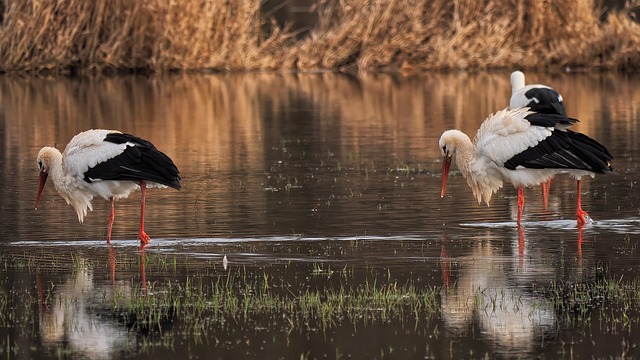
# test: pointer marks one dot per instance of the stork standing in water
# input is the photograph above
(538, 98)
(108, 164)
(522, 148)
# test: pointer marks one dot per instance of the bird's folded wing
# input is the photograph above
(564, 150)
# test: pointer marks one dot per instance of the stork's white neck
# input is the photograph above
(464, 154)
(69, 187)
(54, 158)
(517, 81)
(474, 170)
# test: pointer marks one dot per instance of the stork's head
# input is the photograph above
(448, 143)
(46, 158)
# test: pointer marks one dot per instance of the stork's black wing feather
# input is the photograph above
(564, 150)
(550, 120)
(140, 161)
(545, 100)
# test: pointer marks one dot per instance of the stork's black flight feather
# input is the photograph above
(140, 161)
(545, 100)
(563, 149)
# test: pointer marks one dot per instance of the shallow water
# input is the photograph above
(314, 181)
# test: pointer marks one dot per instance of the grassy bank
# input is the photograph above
(393, 35)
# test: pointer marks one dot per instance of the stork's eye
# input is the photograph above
(40, 164)
(444, 149)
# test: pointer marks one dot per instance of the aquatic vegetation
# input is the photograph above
(244, 297)
(614, 299)
(393, 35)
(193, 301)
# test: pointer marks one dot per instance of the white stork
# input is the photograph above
(522, 148)
(538, 98)
(108, 164)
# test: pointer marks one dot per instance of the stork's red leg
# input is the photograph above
(112, 217)
(580, 214)
(144, 238)
(520, 203)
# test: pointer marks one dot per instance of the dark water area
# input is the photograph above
(303, 184)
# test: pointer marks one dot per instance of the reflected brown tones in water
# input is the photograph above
(238, 139)
(283, 171)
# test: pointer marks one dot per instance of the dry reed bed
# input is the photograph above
(150, 34)
(394, 35)
(443, 34)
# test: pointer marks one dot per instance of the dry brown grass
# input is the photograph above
(441, 34)
(148, 34)
(390, 35)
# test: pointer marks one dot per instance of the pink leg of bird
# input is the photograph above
(520, 203)
(144, 238)
(580, 214)
(112, 217)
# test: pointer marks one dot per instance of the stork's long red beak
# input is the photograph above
(43, 180)
(446, 165)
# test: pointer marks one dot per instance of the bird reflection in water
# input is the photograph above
(489, 293)
(72, 321)
(142, 259)
(143, 273)
(579, 243)
(493, 291)
(112, 265)
(70, 318)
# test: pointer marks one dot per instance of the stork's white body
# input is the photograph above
(522, 148)
(84, 151)
(500, 137)
(107, 164)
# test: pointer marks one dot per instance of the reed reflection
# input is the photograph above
(249, 143)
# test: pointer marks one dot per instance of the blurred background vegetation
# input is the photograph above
(70, 36)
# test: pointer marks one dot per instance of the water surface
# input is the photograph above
(314, 181)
